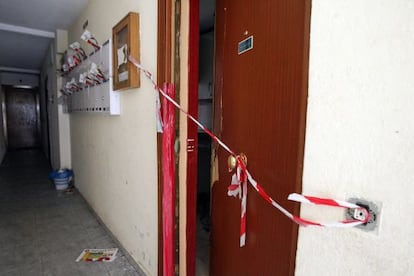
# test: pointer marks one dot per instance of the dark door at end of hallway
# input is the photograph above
(261, 79)
(22, 118)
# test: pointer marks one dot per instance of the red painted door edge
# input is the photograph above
(168, 197)
(192, 131)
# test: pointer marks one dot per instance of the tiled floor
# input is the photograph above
(43, 231)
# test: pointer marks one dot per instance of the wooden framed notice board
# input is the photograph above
(125, 39)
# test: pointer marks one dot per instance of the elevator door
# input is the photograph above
(22, 118)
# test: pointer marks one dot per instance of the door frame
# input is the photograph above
(192, 134)
(4, 113)
(35, 93)
(164, 74)
(46, 116)
(178, 47)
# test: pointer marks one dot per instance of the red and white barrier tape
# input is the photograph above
(238, 186)
(363, 215)
(150, 77)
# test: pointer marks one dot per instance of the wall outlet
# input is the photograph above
(374, 214)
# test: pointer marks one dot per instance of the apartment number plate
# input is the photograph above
(245, 45)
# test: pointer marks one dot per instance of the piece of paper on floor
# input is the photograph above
(98, 255)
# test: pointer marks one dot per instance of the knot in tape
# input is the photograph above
(239, 163)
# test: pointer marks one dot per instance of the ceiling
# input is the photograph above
(27, 28)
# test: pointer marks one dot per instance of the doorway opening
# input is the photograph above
(205, 115)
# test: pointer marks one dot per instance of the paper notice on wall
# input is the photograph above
(123, 76)
(122, 55)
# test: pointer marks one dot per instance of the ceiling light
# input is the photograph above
(23, 86)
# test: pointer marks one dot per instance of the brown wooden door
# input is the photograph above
(263, 94)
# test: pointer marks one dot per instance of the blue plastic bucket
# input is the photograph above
(61, 178)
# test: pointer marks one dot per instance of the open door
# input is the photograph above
(260, 108)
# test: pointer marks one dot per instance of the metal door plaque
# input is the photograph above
(245, 45)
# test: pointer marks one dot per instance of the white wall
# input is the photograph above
(359, 139)
(115, 157)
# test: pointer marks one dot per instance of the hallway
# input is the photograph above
(43, 231)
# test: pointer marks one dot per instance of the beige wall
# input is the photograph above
(359, 138)
(115, 157)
